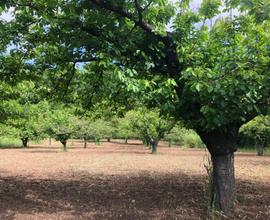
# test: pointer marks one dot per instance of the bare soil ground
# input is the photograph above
(121, 181)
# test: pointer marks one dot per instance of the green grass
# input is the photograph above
(6, 142)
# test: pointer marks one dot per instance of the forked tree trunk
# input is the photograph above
(222, 146)
(64, 145)
(24, 142)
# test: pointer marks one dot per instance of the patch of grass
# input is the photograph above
(6, 142)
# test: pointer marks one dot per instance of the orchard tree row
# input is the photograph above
(212, 78)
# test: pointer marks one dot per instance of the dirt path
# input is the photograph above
(119, 181)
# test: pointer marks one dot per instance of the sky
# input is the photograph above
(6, 16)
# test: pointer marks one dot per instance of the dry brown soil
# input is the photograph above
(121, 181)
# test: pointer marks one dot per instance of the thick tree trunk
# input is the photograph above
(64, 145)
(109, 139)
(85, 143)
(24, 142)
(260, 149)
(154, 145)
(223, 184)
(222, 145)
(170, 144)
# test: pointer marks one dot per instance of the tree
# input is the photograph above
(61, 124)
(23, 115)
(214, 79)
(26, 123)
(258, 129)
(84, 130)
(100, 129)
(150, 125)
(124, 129)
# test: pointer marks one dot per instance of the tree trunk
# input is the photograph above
(154, 144)
(85, 143)
(64, 145)
(223, 184)
(260, 149)
(170, 143)
(109, 139)
(126, 140)
(24, 142)
(50, 141)
(222, 145)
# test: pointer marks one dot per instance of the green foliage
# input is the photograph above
(124, 130)
(257, 131)
(192, 140)
(149, 125)
(9, 142)
(210, 8)
(61, 124)
(25, 121)
(184, 137)
(101, 129)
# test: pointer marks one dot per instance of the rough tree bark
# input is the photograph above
(222, 145)
(24, 142)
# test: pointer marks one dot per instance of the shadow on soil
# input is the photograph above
(144, 196)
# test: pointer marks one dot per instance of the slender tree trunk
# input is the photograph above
(24, 142)
(50, 141)
(64, 145)
(222, 145)
(85, 143)
(126, 140)
(223, 184)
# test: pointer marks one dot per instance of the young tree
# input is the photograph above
(101, 129)
(26, 121)
(258, 129)
(150, 125)
(84, 130)
(214, 80)
(124, 130)
(61, 124)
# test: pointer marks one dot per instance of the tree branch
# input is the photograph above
(120, 11)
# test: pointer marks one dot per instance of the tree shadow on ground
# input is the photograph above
(143, 196)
